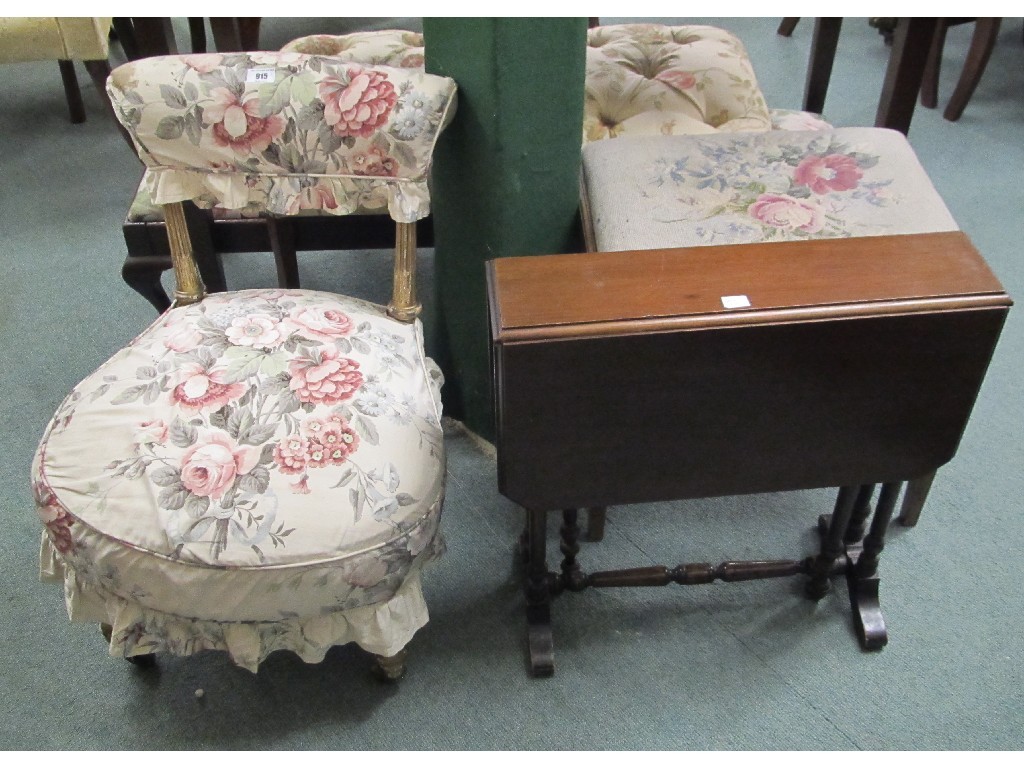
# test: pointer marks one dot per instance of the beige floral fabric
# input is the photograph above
(262, 456)
(678, 191)
(652, 79)
(263, 469)
(284, 131)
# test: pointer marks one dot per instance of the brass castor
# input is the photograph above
(389, 669)
(142, 660)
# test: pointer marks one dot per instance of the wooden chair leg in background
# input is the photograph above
(819, 67)
(197, 34)
(787, 26)
(76, 109)
(982, 42)
(235, 34)
(930, 81)
(282, 244)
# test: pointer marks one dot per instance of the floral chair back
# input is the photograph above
(284, 131)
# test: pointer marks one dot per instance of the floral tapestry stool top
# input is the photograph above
(263, 469)
(679, 191)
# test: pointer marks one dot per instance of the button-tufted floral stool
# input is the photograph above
(260, 470)
(388, 47)
(653, 79)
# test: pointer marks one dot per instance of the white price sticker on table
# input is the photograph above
(735, 302)
(260, 75)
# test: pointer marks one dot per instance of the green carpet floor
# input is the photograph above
(740, 666)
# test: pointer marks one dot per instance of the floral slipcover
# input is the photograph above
(284, 131)
(264, 469)
(678, 191)
(389, 47)
(652, 79)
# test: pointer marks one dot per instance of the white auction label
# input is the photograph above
(735, 302)
(261, 75)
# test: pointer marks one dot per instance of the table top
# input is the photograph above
(595, 294)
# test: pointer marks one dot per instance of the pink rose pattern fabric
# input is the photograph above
(773, 191)
(284, 131)
(265, 383)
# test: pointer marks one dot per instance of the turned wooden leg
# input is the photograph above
(595, 523)
(832, 544)
(538, 598)
(860, 515)
(76, 109)
(862, 579)
(390, 668)
(572, 576)
(914, 499)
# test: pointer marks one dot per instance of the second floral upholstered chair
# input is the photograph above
(261, 469)
(285, 235)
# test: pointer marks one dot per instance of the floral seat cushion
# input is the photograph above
(240, 498)
(677, 191)
(652, 79)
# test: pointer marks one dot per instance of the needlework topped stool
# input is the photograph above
(676, 191)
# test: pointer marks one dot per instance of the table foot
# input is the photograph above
(867, 613)
(540, 641)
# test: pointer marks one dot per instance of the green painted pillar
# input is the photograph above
(505, 179)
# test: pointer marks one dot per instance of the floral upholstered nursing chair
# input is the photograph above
(261, 469)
